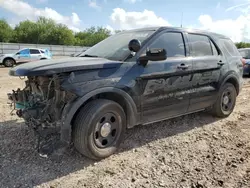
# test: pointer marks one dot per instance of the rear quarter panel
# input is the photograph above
(233, 60)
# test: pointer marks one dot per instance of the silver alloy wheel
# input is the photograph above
(8, 62)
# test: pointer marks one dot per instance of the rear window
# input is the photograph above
(201, 45)
(245, 54)
(230, 47)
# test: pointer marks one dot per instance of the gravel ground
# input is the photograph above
(192, 151)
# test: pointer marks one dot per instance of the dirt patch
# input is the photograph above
(192, 151)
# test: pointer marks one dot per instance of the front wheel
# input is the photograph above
(99, 128)
(8, 62)
(225, 102)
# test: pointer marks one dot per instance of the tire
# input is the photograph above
(99, 128)
(225, 102)
(9, 62)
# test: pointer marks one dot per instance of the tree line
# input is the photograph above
(242, 45)
(47, 31)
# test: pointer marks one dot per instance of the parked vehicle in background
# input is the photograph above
(245, 53)
(24, 55)
(132, 78)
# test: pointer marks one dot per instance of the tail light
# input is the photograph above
(243, 61)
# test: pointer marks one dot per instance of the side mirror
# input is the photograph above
(154, 54)
(134, 45)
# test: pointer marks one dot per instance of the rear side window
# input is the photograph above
(172, 42)
(201, 45)
(34, 51)
(230, 47)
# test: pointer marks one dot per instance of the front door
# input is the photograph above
(22, 56)
(207, 66)
(165, 84)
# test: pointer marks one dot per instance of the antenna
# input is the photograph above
(181, 18)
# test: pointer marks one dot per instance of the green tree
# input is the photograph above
(47, 31)
(91, 36)
(6, 31)
(44, 31)
(26, 32)
(45, 28)
(242, 45)
(61, 35)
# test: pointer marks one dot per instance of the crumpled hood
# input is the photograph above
(69, 64)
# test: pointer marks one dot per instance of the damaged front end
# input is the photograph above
(40, 104)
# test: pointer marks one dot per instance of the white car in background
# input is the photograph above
(24, 55)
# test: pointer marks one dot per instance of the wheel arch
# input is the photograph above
(72, 108)
(9, 58)
(233, 79)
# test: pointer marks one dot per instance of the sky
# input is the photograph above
(228, 17)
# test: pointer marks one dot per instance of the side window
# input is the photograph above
(230, 47)
(42, 51)
(24, 52)
(34, 51)
(172, 42)
(201, 45)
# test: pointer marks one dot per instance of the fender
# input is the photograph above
(71, 108)
(231, 75)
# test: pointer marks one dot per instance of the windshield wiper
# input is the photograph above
(87, 55)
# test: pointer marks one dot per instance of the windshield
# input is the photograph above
(116, 47)
(245, 54)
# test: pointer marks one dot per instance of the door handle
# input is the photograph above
(220, 63)
(182, 66)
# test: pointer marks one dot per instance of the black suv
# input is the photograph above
(131, 78)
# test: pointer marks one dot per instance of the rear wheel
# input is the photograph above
(8, 62)
(225, 102)
(99, 128)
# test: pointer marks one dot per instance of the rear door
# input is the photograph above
(165, 83)
(207, 66)
(35, 54)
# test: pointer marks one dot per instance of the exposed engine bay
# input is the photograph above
(40, 104)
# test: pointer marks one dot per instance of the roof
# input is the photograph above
(179, 29)
(33, 48)
(244, 49)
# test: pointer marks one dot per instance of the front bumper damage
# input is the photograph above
(40, 104)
